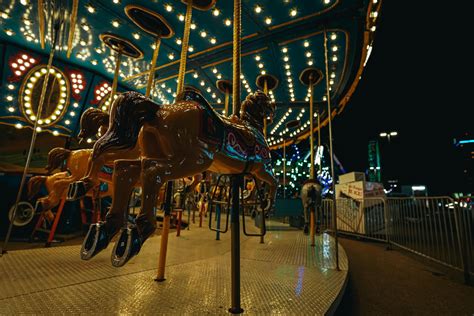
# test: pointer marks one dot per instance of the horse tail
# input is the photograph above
(130, 111)
(34, 185)
(56, 157)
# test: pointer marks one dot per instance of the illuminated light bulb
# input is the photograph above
(216, 12)
(9, 98)
(257, 58)
(260, 65)
(115, 23)
(11, 87)
(11, 109)
(258, 9)
(227, 22)
(306, 44)
(14, 65)
(287, 66)
(89, 140)
(38, 129)
(136, 36)
(219, 76)
(308, 54)
(193, 26)
(334, 58)
(213, 40)
(333, 36)
(18, 125)
(263, 72)
(91, 9)
(214, 70)
(219, 100)
(203, 34)
(284, 50)
(9, 32)
(268, 20)
(181, 17)
(310, 63)
(178, 41)
(169, 8)
(55, 133)
(373, 28)
(327, 1)
(116, 1)
(208, 89)
(334, 48)
(67, 122)
(293, 12)
(190, 49)
(54, 117)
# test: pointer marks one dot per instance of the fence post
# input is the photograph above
(387, 220)
(462, 243)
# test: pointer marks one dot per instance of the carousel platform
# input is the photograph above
(285, 275)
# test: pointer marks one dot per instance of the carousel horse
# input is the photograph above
(175, 141)
(73, 165)
(311, 197)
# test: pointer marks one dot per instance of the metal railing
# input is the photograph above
(437, 228)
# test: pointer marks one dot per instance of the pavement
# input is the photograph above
(391, 282)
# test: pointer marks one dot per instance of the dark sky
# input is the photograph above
(408, 86)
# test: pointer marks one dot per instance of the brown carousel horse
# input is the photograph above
(72, 163)
(175, 141)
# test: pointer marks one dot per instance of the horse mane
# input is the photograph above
(91, 120)
(56, 157)
(254, 109)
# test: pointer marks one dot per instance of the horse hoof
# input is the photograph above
(127, 246)
(96, 240)
(76, 190)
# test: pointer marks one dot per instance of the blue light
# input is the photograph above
(467, 141)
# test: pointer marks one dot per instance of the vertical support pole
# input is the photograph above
(118, 61)
(235, 245)
(218, 217)
(284, 168)
(237, 179)
(184, 48)
(312, 213)
(319, 136)
(226, 103)
(55, 223)
(265, 90)
(178, 226)
(165, 233)
(72, 24)
(33, 139)
(328, 96)
(151, 74)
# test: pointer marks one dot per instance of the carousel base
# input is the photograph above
(285, 275)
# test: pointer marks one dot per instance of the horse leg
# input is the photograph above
(126, 174)
(261, 173)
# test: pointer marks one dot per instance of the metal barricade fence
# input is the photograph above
(437, 228)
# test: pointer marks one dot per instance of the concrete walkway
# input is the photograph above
(393, 283)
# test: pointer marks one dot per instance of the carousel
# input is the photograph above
(150, 159)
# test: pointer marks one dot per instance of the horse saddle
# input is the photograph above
(235, 137)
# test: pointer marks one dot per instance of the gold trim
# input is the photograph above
(103, 36)
(205, 8)
(304, 17)
(143, 73)
(72, 24)
(22, 90)
(152, 13)
(230, 58)
(352, 88)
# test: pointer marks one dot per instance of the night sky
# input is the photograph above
(407, 87)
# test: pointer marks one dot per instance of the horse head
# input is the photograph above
(93, 120)
(256, 107)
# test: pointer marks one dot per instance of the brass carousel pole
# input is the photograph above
(310, 77)
(118, 61)
(34, 134)
(72, 24)
(237, 180)
(319, 137)
(151, 75)
(267, 83)
(284, 168)
(328, 96)
(225, 86)
(201, 5)
(312, 214)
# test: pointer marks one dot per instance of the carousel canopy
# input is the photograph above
(280, 38)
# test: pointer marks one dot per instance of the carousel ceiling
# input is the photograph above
(280, 37)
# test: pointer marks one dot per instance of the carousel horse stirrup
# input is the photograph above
(127, 246)
(99, 236)
(131, 240)
(96, 240)
(76, 190)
